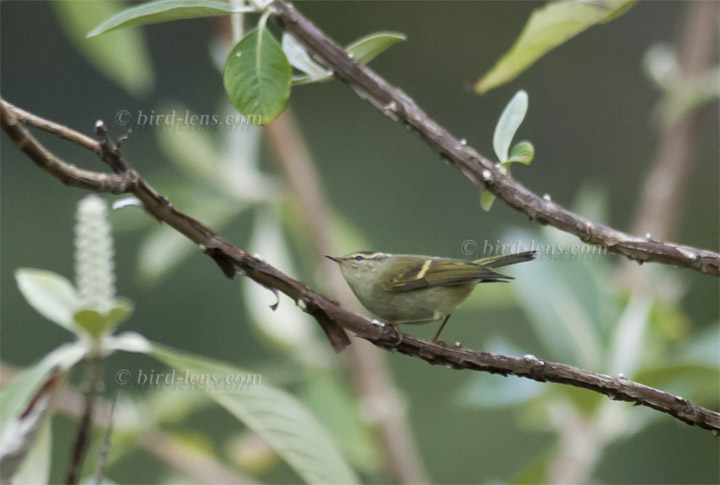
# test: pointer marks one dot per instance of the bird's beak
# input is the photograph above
(333, 258)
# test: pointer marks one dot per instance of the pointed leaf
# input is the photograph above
(162, 11)
(36, 468)
(330, 399)
(121, 56)
(509, 122)
(50, 294)
(20, 436)
(18, 393)
(369, 47)
(523, 152)
(547, 28)
(127, 342)
(486, 200)
(258, 76)
(275, 415)
(300, 59)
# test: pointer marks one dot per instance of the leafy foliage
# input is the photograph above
(258, 76)
(507, 125)
(547, 28)
(162, 11)
(122, 56)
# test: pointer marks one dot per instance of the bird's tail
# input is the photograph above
(506, 259)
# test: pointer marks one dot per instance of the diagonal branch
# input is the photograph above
(397, 105)
(329, 313)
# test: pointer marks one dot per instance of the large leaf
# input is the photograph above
(508, 124)
(563, 318)
(273, 414)
(328, 396)
(122, 56)
(17, 394)
(160, 11)
(369, 47)
(258, 76)
(50, 294)
(30, 431)
(547, 28)
(36, 467)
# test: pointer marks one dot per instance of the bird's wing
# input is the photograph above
(442, 272)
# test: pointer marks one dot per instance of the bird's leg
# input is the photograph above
(441, 328)
(399, 334)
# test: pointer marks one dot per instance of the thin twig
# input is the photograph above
(372, 377)
(327, 311)
(100, 469)
(91, 381)
(397, 105)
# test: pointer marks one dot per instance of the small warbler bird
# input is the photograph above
(412, 289)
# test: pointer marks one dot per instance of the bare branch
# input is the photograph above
(397, 105)
(326, 311)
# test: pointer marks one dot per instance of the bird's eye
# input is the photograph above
(358, 258)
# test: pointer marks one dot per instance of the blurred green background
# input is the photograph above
(591, 119)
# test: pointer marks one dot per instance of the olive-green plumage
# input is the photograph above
(408, 289)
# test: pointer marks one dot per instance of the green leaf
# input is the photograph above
(369, 47)
(523, 152)
(96, 323)
(20, 436)
(161, 11)
(36, 467)
(17, 394)
(486, 200)
(509, 122)
(565, 314)
(121, 56)
(127, 342)
(301, 60)
(90, 320)
(547, 28)
(363, 50)
(50, 294)
(325, 393)
(283, 422)
(258, 76)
